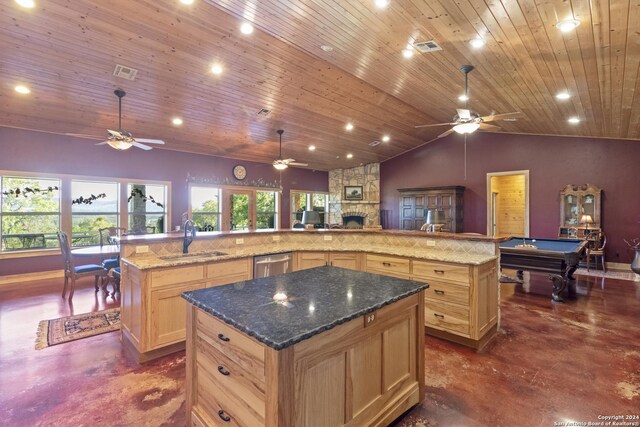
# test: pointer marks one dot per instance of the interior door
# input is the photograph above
(239, 210)
(508, 209)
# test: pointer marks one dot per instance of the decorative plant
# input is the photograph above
(136, 192)
(89, 200)
(28, 190)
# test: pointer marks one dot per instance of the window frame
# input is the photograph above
(309, 203)
(275, 213)
(165, 209)
(218, 214)
(89, 214)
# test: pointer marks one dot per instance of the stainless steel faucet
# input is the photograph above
(189, 234)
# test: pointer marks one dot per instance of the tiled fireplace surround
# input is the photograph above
(368, 176)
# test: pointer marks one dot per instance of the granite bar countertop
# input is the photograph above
(317, 300)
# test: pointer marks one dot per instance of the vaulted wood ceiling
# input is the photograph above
(66, 51)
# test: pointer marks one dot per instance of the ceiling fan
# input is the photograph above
(120, 139)
(282, 164)
(468, 121)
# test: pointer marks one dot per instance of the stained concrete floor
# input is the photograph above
(551, 363)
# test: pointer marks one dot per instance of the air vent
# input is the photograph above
(374, 143)
(125, 72)
(428, 46)
(263, 112)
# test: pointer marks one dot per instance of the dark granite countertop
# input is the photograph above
(318, 299)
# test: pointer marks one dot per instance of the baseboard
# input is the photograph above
(618, 266)
(30, 277)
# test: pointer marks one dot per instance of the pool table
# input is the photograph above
(559, 257)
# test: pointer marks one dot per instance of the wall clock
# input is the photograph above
(239, 172)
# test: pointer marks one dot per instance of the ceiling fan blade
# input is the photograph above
(464, 113)
(436, 124)
(443, 134)
(150, 141)
(298, 164)
(102, 143)
(485, 126)
(116, 133)
(144, 147)
(493, 117)
(288, 160)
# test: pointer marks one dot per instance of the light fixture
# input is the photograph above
(586, 220)
(349, 156)
(436, 219)
(280, 166)
(567, 25)
(463, 128)
(246, 28)
(563, 95)
(477, 43)
(381, 4)
(29, 4)
(216, 69)
(186, 1)
(574, 120)
(312, 148)
(119, 145)
(349, 126)
(386, 138)
(463, 97)
(177, 121)
(22, 89)
(408, 52)
(310, 219)
(326, 48)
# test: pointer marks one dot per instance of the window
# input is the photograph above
(29, 213)
(205, 208)
(266, 209)
(302, 201)
(94, 205)
(147, 208)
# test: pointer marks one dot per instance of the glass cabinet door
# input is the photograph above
(589, 205)
(571, 214)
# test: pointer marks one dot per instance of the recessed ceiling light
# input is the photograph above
(463, 98)
(312, 148)
(567, 25)
(326, 48)
(177, 121)
(349, 156)
(386, 138)
(186, 1)
(381, 4)
(246, 28)
(477, 43)
(29, 4)
(349, 126)
(22, 89)
(407, 53)
(216, 69)
(563, 95)
(573, 120)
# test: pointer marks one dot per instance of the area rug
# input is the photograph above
(622, 275)
(66, 329)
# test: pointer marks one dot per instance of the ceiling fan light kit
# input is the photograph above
(280, 163)
(463, 128)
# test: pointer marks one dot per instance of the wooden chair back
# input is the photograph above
(65, 248)
(108, 232)
(148, 229)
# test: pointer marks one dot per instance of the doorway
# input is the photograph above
(508, 203)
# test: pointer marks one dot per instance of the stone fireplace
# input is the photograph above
(355, 213)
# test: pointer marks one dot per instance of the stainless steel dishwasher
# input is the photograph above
(270, 265)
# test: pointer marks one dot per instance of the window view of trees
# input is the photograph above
(266, 209)
(147, 208)
(239, 212)
(30, 213)
(205, 208)
(88, 218)
(302, 201)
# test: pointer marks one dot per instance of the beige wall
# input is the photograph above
(510, 204)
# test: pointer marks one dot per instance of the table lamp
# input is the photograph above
(310, 219)
(436, 220)
(586, 220)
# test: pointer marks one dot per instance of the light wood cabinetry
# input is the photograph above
(355, 374)
(415, 202)
(350, 260)
(152, 311)
(388, 265)
(576, 201)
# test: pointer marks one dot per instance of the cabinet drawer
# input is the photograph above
(233, 268)
(176, 275)
(243, 350)
(441, 271)
(447, 292)
(449, 317)
(388, 265)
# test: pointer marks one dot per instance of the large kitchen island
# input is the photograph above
(317, 347)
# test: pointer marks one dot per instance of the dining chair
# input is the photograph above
(595, 249)
(72, 271)
(148, 229)
(107, 235)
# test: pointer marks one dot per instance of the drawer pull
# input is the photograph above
(438, 291)
(223, 371)
(439, 316)
(386, 264)
(223, 416)
(438, 271)
(223, 338)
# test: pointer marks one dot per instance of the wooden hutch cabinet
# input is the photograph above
(576, 201)
(415, 202)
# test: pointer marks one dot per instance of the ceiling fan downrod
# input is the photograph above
(466, 69)
(119, 93)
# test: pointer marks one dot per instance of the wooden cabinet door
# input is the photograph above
(345, 260)
(311, 259)
(168, 315)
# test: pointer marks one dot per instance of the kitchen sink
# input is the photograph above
(193, 255)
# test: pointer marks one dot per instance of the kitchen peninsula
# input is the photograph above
(323, 346)
(460, 305)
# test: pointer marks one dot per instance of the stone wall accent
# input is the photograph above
(368, 176)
